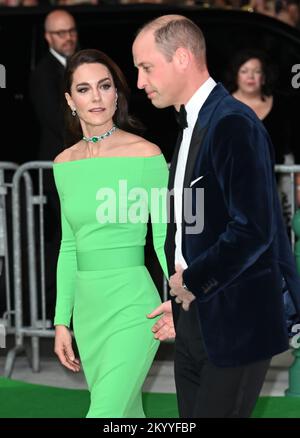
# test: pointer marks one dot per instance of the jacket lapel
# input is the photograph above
(211, 103)
(196, 141)
(199, 131)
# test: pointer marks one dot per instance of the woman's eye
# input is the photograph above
(106, 86)
(82, 90)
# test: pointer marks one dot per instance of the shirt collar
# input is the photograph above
(59, 57)
(196, 102)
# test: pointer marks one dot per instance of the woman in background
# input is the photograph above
(250, 79)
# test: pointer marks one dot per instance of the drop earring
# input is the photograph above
(74, 112)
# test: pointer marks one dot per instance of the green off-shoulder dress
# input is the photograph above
(102, 281)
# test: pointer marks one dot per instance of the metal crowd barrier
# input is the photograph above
(293, 389)
(39, 325)
(7, 170)
(289, 171)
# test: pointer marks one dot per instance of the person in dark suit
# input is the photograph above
(228, 252)
(46, 82)
(46, 92)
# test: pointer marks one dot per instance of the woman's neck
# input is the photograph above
(261, 105)
(248, 97)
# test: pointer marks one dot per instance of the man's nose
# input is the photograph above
(141, 81)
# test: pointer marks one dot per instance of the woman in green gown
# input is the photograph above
(108, 183)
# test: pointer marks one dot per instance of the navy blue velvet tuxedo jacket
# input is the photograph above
(236, 265)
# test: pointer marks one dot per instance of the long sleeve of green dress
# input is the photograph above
(155, 179)
(66, 271)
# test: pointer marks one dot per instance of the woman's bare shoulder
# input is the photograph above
(142, 147)
(149, 149)
(67, 154)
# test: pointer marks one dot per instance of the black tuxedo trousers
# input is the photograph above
(207, 391)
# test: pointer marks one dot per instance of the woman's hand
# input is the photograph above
(164, 328)
(63, 348)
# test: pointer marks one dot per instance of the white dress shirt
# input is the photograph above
(193, 107)
(59, 57)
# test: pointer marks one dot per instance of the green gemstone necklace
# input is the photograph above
(97, 138)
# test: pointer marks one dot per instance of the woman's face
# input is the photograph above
(93, 95)
(250, 77)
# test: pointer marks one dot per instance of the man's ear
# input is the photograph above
(47, 38)
(182, 57)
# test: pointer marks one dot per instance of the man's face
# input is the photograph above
(62, 35)
(156, 75)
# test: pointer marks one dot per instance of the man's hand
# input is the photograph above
(183, 296)
(176, 280)
(63, 348)
(163, 328)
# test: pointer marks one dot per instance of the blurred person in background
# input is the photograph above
(288, 12)
(47, 80)
(251, 80)
(76, 2)
(266, 7)
(46, 93)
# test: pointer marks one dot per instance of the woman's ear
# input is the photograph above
(69, 101)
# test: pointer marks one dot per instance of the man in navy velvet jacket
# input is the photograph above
(227, 280)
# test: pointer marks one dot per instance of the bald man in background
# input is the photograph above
(46, 92)
(46, 81)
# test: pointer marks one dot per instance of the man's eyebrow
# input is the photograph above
(142, 64)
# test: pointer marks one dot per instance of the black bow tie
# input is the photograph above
(181, 117)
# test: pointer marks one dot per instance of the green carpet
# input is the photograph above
(25, 400)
